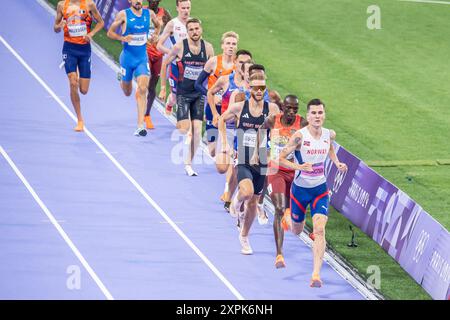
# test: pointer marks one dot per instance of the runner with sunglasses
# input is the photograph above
(251, 114)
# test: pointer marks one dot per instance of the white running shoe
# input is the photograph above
(189, 171)
(140, 132)
(262, 215)
(245, 245)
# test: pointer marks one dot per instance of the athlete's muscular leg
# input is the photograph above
(279, 201)
(223, 159)
(184, 126)
(231, 182)
(84, 85)
(127, 87)
(151, 92)
(212, 148)
(319, 244)
(297, 228)
(74, 96)
(245, 190)
(195, 140)
(142, 88)
(250, 214)
(155, 71)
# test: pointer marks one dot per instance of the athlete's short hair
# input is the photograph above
(291, 96)
(243, 52)
(193, 20)
(178, 1)
(229, 34)
(315, 102)
(256, 67)
(257, 76)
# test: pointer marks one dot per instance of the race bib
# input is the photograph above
(138, 39)
(318, 170)
(192, 73)
(77, 30)
(249, 139)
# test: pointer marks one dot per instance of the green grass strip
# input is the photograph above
(443, 162)
(405, 163)
(400, 163)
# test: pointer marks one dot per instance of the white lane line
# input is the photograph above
(127, 175)
(57, 225)
(426, 1)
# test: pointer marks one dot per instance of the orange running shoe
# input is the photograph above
(315, 281)
(148, 122)
(286, 221)
(279, 262)
(79, 127)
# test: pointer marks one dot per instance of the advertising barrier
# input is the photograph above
(109, 8)
(397, 223)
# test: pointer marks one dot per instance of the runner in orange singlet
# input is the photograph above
(75, 17)
(217, 66)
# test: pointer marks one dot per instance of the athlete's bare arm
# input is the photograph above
(295, 142)
(154, 37)
(59, 19)
(233, 97)
(273, 109)
(211, 64)
(167, 32)
(332, 135)
(221, 84)
(119, 21)
(100, 23)
(209, 50)
(176, 51)
(269, 123)
(234, 110)
(166, 18)
(332, 153)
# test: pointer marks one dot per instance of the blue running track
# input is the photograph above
(144, 228)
